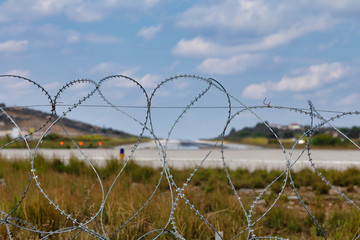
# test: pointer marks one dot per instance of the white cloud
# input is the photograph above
(50, 7)
(13, 29)
(314, 77)
(13, 46)
(349, 100)
(86, 13)
(150, 80)
(96, 38)
(262, 16)
(338, 5)
(174, 64)
(52, 86)
(73, 37)
(284, 36)
(255, 91)
(258, 25)
(77, 10)
(146, 81)
(246, 15)
(151, 3)
(309, 79)
(149, 32)
(15, 84)
(235, 64)
(145, 4)
(52, 35)
(277, 59)
(326, 46)
(24, 10)
(106, 68)
(198, 47)
(18, 72)
(130, 72)
(110, 68)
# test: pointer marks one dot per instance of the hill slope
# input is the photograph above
(29, 119)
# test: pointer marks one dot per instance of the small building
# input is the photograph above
(294, 126)
(13, 133)
(275, 126)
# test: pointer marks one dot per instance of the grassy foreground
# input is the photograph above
(74, 187)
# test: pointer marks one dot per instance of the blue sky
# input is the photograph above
(286, 51)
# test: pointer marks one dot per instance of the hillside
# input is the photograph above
(29, 120)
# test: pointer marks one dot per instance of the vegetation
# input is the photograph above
(54, 140)
(25, 117)
(327, 140)
(260, 135)
(75, 188)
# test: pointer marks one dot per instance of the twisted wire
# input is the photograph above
(177, 192)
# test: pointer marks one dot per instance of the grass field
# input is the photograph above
(55, 141)
(75, 188)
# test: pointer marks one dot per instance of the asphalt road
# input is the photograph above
(190, 154)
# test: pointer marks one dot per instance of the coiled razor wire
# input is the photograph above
(176, 192)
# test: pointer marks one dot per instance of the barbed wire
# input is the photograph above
(177, 192)
(165, 107)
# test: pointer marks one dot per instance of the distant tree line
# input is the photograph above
(261, 130)
(322, 135)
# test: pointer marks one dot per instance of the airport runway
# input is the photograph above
(190, 154)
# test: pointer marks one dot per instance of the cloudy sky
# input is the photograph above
(285, 51)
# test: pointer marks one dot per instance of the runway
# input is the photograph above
(189, 155)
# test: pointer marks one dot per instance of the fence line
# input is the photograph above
(177, 191)
(171, 107)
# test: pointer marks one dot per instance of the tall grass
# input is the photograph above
(75, 188)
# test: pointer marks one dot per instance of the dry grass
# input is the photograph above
(75, 189)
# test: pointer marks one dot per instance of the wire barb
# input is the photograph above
(177, 192)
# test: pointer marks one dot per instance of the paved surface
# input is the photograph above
(238, 156)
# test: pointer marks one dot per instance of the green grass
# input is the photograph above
(88, 141)
(75, 188)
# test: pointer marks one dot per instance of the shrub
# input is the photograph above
(112, 166)
(52, 137)
(320, 187)
(59, 166)
(283, 219)
(304, 177)
(325, 140)
(75, 166)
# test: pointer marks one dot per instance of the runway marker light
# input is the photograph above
(122, 151)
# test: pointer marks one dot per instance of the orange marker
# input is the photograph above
(100, 143)
(81, 143)
(61, 143)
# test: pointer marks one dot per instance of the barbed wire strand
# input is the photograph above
(177, 193)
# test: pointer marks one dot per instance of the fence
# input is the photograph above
(178, 192)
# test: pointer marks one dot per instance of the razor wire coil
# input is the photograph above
(177, 191)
